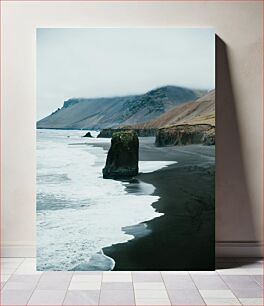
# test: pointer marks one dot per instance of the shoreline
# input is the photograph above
(186, 199)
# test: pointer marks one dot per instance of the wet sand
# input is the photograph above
(184, 237)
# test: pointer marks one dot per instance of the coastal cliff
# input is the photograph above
(186, 134)
(108, 133)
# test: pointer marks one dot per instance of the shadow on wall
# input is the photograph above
(234, 215)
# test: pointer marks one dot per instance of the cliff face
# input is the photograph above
(122, 157)
(99, 113)
(108, 133)
(186, 134)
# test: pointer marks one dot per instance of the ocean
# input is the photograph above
(78, 212)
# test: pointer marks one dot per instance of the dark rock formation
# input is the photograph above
(209, 137)
(122, 158)
(186, 134)
(108, 133)
(88, 134)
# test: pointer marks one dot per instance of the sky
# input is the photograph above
(107, 62)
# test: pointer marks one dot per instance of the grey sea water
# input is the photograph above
(78, 212)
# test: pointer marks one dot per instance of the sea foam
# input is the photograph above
(78, 212)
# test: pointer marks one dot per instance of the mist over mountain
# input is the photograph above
(201, 111)
(99, 113)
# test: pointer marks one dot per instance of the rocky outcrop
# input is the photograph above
(88, 134)
(108, 133)
(122, 157)
(209, 137)
(186, 134)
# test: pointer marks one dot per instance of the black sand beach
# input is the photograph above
(183, 238)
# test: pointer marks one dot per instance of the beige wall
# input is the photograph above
(239, 106)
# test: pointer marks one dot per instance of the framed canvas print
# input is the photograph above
(125, 149)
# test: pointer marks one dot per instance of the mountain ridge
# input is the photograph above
(98, 113)
(200, 111)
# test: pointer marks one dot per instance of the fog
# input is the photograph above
(93, 62)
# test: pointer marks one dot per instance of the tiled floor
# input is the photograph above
(235, 282)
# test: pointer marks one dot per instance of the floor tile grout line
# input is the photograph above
(4, 286)
(12, 272)
(16, 267)
(165, 287)
(67, 289)
(147, 289)
(14, 263)
(196, 287)
(99, 298)
(35, 286)
(231, 288)
(252, 276)
(217, 273)
(261, 286)
(134, 293)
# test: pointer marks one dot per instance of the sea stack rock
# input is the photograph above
(122, 158)
(88, 134)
